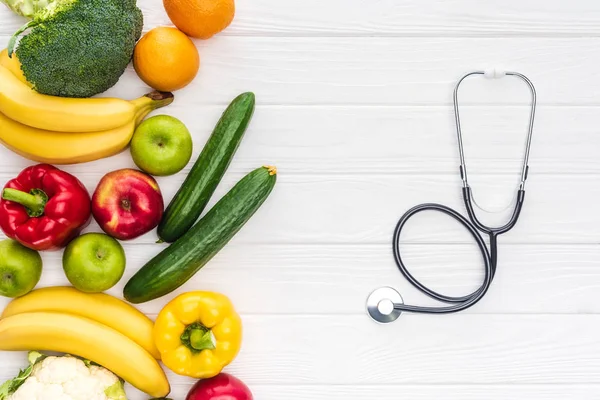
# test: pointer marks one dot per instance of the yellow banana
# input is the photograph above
(73, 148)
(66, 333)
(22, 104)
(13, 65)
(100, 307)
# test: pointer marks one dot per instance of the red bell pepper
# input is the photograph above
(44, 208)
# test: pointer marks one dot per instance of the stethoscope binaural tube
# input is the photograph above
(389, 297)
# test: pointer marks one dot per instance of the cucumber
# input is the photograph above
(175, 265)
(208, 170)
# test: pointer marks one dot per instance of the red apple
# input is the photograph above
(127, 203)
(221, 387)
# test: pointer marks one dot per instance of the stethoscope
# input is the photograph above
(385, 304)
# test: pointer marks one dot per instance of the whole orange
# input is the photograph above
(166, 59)
(200, 18)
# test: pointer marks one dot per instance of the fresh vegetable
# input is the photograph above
(180, 261)
(20, 268)
(222, 386)
(201, 18)
(127, 203)
(198, 334)
(94, 262)
(76, 48)
(72, 334)
(208, 170)
(102, 308)
(162, 145)
(71, 148)
(65, 378)
(44, 208)
(20, 103)
(166, 59)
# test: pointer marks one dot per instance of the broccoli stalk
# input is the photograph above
(76, 48)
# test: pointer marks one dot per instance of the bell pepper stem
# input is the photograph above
(34, 201)
(201, 339)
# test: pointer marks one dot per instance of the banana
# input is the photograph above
(13, 65)
(71, 334)
(22, 104)
(73, 148)
(100, 307)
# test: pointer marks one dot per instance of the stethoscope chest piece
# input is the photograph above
(381, 305)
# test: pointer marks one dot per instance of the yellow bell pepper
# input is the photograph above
(198, 334)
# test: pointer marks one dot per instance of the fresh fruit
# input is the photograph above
(20, 269)
(94, 262)
(83, 337)
(21, 104)
(44, 208)
(75, 48)
(13, 65)
(127, 203)
(166, 59)
(161, 145)
(208, 170)
(99, 307)
(219, 387)
(201, 18)
(198, 334)
(181, 260)
(72, 148)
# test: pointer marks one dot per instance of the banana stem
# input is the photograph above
(150, 102)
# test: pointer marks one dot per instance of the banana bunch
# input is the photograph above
(97, 327)
(59, 130)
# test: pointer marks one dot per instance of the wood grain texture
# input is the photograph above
(459, 349)
(363, 209)
(384, 71)
(419, 392)
(336, 279)
(394, 18)
(354, 107)
(394, 140)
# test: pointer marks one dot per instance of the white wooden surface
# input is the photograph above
(354, 107)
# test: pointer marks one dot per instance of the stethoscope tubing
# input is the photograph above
(473, 225)
(460, 302)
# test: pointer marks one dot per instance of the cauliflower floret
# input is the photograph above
(66, 378)
(34, 389)
(60, 370)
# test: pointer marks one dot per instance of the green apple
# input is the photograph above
(161, 145)
(20, 269)
(94, 262)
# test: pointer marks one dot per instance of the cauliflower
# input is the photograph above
(63, 378)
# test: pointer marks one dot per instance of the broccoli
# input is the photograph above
(76, 48)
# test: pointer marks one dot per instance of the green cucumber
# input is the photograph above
(175, 265)
(208, 170)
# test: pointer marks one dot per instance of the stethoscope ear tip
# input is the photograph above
(381, 305)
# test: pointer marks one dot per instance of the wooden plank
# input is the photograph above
(402, 71)
(363, 209)
(422, 392)
(417, 350)
(394, 140)
(393, 18)
(530, 279)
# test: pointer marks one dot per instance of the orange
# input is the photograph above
(200, 18)
(166, 59)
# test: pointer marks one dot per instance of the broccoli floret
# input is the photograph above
(79, 48)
